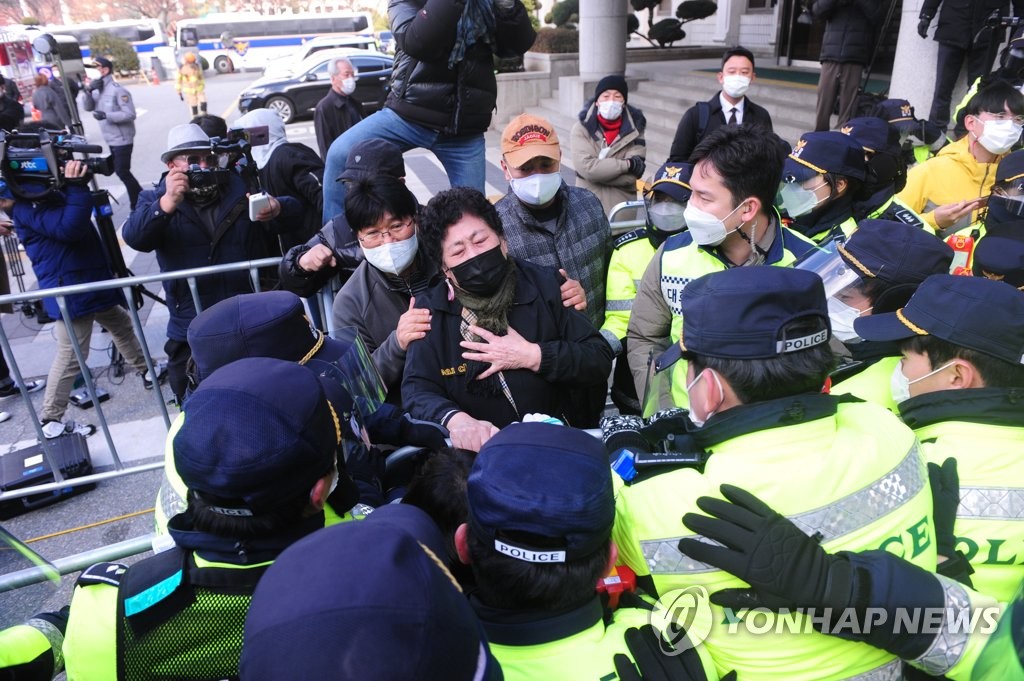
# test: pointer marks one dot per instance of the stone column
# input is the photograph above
(913, 73)
(602, 31)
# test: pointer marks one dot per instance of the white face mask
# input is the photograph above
(697, 421)
(393, 256)
(735, 86)
(842, 316)
(348, 86)
(998, 136)
(537, 189)
(798, 200)
(667, 216)
(707, 229)
(609, 110)
(899, 384)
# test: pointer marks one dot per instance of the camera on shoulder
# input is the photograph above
(32, 163)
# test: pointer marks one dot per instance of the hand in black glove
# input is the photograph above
(945, 484)
(637, 165)
(783, 566)
(99, 115)
(655, 659)
(922, 26)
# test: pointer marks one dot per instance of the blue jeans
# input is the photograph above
(463, 157)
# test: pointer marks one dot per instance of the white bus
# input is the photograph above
(147, 36)
(251, 41)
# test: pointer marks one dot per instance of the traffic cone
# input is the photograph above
(154, 78)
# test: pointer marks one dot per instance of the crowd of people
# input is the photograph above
(815, 353)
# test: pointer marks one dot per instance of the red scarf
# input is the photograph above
(610, 128)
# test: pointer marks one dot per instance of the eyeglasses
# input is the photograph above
(374, 238)
(1003, 116)
(208, 160)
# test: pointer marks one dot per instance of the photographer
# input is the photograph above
(113, 107)
(65, 249)
(197, 216)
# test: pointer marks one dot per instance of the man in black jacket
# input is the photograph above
(729, 106)
(443, 88)
(846, 48)
(963, 37)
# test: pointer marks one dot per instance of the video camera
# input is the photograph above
(234, 151)
(33, 163)
(996, 21)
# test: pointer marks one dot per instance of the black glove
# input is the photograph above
(945, 498)
(99, 115)
(655, 659)
(181, 97)
(783, 566)
(96, 85)
(637, 165)
(922, 26)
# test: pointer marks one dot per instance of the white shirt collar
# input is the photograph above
(726, 106)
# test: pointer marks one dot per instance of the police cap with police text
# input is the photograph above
(817, 153)
(257, 433)
(974, 312)
(741, 313)
(397, 612)
(673, 179)
(542, 493)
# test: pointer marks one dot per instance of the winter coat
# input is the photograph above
(334, 114)
(52, 106)
(849, 28)
(424, 90)
(296, 170)
(604, 169)
(65, 249)
(181, 241)
(689, 134)
(961, 22)
(118, 127)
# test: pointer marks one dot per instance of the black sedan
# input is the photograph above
(296, 94)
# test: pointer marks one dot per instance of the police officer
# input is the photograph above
(885, 172)
(1000, 255)
(874, 272)
(959, 386)
(665, 202)
(259, 455)
(730, 222)
(538, 540)
(821, 178)
(919, 140)
(112, 105)
(756, 341)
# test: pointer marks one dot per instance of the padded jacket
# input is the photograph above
(849, 29)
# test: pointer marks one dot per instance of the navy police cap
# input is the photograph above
(741, 313)
(895, 252)
(673, 179)
(872, 134)
(1000, 254)
(817, 153)
(1011, 168)
(973, 312)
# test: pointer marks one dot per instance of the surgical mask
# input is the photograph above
(842, 315)
(707, 229)
(394, 256)
(696, 421)
(667, 216)
(899, 384)
(736, 86)
(998, 136)
(348, 86)
(537, 189)
(797, 200)
(609, 110)
(482, 274)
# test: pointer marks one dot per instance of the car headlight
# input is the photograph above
(255, 92)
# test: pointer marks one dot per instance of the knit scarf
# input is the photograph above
(476, 23)
(610, 128)
(490, 313)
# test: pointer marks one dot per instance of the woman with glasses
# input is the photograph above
(501, 344)
(379, 299)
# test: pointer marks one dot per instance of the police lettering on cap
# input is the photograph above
(526, 137)
(403, 616)
(545, 481)
(741, 313)
(259, 432)
(974, 312)
(673, 180)
(817, 153)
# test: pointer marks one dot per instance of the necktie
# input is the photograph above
(732, 116)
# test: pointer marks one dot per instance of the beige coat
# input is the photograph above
(607, 175)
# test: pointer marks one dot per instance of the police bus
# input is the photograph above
(250, 41)
(146, 36)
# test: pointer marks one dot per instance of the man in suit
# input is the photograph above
(729, 106)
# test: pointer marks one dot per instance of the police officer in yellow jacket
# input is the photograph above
(538, 540)
(821, 179)
(756, 342)
(665, 202)
(259, 455)
(730, 222)
(959, 386)
(875, 271)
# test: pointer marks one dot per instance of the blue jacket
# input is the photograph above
(182, 242)
(65, 249)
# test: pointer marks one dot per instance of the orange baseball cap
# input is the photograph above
(526, 137)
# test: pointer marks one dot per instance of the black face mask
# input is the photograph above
(482, 274)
